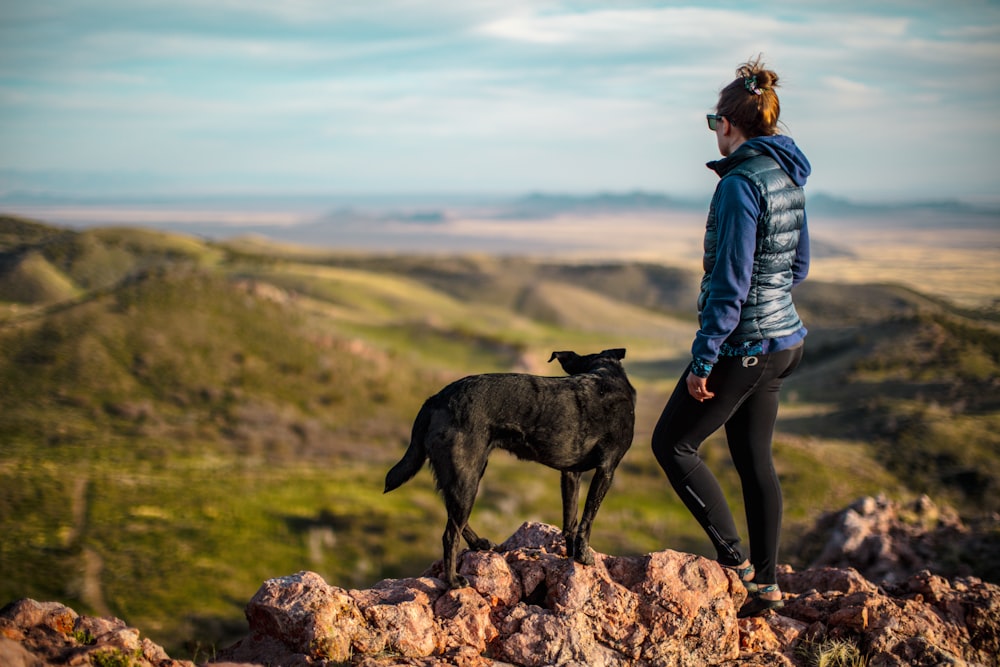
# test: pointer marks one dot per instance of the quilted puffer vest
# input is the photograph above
(768, 311)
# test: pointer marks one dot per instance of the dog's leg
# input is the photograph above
(570, 482)
(475, 542)
(598, 489)
(450, 543)
(458, 500)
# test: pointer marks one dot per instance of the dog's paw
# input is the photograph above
(571, 544)
(583, 554)
(482, 544)
(458, 581)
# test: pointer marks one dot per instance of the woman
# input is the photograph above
(750, 336)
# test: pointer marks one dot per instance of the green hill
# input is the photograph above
(29, 278)
(17, 232)
(181, 419)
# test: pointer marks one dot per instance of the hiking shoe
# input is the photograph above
(758, 606)
(746, 575)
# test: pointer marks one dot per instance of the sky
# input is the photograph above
(889, 100)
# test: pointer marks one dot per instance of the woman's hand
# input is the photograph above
(698, 388)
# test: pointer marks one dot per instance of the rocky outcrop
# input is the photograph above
(34, 634)
(530, 606)
(887, 541)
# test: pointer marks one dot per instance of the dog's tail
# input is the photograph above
(413, 459)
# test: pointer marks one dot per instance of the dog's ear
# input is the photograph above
(571, 362)
(616, 353)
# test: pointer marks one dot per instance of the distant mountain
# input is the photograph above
(540, 204)
(402, 222)
(905, 213)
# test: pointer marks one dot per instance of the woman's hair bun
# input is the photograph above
(750, 102)
(755, 70)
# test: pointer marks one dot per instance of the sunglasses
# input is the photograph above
(713, 120)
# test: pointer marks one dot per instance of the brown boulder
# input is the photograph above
(33, 634)
(888, 541)
(529, 606)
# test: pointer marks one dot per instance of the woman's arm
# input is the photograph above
(800, 267)
(737, 209)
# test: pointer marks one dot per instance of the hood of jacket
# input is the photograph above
(780, 147)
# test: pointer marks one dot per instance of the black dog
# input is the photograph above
(577, 423)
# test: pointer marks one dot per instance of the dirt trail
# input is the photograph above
(91, 591)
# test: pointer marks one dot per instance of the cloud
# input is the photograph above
(854, 94)
(618, 29)
(519, 87)
(988, 32)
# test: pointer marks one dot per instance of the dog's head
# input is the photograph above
(575, 364)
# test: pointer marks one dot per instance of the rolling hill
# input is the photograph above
(182, 419)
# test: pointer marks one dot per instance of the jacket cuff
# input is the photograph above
(701, 368)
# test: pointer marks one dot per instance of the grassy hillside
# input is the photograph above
(181, 420)
(29, 278)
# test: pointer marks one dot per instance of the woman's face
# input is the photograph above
(720, 136)
(727, 136)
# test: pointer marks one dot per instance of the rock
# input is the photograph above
(530, 606)
(898, 623)
(31, 614)
(825, 579)
(33, 634)
(887, 541)
(13, 654)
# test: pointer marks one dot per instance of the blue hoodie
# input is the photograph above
(738, 206)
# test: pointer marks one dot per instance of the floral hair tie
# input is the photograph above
(750, 83)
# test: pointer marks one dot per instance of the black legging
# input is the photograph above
(746, 402)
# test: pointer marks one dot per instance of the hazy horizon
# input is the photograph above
(380, 220)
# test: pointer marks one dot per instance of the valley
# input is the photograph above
(182, 417)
